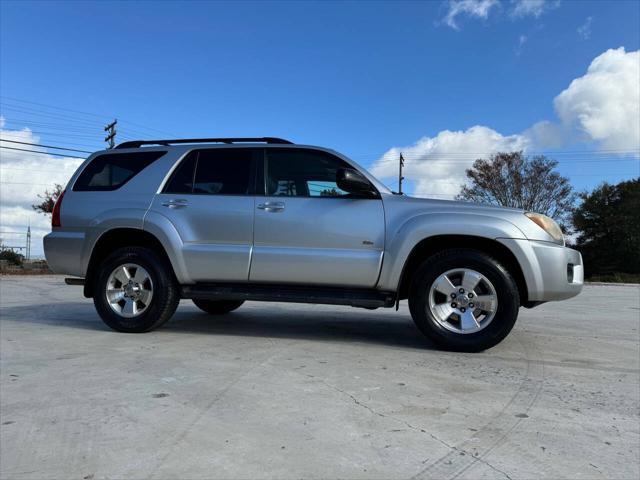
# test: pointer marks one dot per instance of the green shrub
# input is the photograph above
(11, 257)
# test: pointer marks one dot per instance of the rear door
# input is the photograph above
(209, 198)
(307, 230)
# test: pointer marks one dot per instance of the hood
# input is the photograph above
(412, 206)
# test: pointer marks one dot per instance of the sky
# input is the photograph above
(443, 82)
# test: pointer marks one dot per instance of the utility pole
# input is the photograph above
(400, 177)
(29, 241)
(111, 133)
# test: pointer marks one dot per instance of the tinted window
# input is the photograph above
(303, 173)
(181, 180)
(111, 171)
(215, 172)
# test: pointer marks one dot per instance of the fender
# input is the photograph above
(402, 240)
(106, 221)
(161, 227)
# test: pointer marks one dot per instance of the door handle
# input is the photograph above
(175, 203)
(271, 206)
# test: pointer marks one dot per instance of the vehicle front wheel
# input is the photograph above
(463, 300)
(217, 307)
(135, 290)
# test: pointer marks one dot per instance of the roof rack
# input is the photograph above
(139, 143)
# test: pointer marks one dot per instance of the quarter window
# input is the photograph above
(112, 170)
(181, 180)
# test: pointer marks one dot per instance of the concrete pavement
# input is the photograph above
(305, 391)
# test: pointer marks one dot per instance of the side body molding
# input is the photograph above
(404, 236)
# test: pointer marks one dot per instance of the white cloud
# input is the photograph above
(438, 164)
(24, 175)
(604, 104)
(584, 30)
(471, 8)
(531, 8)
(546, 134)
(521, 41)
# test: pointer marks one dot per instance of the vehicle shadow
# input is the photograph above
(386, 327)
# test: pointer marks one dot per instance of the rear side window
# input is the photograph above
(111, 171)
(215, 172)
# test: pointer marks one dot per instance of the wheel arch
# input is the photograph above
(116, 238)
(431, 245)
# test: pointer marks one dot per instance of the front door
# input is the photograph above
(210, 201)
(307, 230)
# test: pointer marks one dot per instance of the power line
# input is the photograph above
(52, 106)
(56, 126)
(45, 146)
(42, 153)
(20, 124)
(46, 114)
(457, 161)
(103, 117)
(95, 147)
(490, 152)
(2, 168)
(86, 136)
(28, 183)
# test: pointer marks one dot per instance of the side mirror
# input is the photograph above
(352, 181)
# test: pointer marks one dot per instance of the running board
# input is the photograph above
(355, 297)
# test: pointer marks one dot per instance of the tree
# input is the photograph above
(11, 257)
(48, 200)
(512, 179)
(608, 227)
(329, 192)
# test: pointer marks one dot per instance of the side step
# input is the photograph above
(74, 281)
(355, 297)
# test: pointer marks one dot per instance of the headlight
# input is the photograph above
(548, 225)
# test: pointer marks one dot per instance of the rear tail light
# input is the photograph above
(55, 214)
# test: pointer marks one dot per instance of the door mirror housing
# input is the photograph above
(352, 181)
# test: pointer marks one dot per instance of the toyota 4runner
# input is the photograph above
(221, 221)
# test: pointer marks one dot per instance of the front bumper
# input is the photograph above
(551, 271)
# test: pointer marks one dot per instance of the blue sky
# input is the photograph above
(359, 77)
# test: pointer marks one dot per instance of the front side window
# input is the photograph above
(303, 173)
(216, 171)
(112, 170)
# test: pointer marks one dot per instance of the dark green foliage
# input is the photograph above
(11, 257)
(608, 227)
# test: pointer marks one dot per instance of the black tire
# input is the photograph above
(506, 291)
(218, 307)
(163, 303)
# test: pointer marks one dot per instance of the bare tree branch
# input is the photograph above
(513, 180)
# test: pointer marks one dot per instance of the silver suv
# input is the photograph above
(220, 221)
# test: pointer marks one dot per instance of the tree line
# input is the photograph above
(603, 224)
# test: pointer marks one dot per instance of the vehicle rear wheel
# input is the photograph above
(135, 290)
(217, 307)
(464, 300)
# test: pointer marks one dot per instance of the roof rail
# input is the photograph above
(139, 143)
